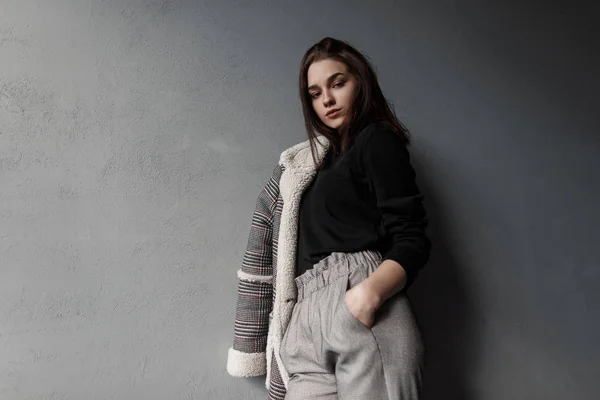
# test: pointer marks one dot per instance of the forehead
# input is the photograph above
(319, 71)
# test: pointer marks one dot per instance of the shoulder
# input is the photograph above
(378, 140)
(293, 150)
(300, 155)
(296, 154)
(277, 172)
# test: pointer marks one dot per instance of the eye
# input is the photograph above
(338, 84)
(314, 95)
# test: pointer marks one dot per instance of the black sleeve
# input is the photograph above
(387, 165)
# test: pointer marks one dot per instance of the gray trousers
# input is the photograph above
(331, 355)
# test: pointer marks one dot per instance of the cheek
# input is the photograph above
(349, 94)
(318, 109)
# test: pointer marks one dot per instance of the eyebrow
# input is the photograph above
(332, 77)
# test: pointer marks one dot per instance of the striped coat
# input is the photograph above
(266, 289)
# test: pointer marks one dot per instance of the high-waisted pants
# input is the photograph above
(331, 355)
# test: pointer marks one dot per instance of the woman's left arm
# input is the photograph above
(386, 161)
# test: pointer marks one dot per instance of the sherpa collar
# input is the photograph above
(299, 171)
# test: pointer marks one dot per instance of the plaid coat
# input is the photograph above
(266, 289)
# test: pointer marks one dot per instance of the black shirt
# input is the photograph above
(365, 199)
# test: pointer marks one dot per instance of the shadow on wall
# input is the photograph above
(444, 309)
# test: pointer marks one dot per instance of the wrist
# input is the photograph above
(372, 297)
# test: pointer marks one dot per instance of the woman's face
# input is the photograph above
(332, 89)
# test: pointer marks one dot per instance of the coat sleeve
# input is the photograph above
(247, 356)
(387, 163)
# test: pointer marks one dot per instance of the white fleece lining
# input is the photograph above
(245, 365)
(297, 175)
(244, 276)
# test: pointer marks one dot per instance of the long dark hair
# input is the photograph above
(369, 105)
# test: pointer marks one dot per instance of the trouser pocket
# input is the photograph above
(345, 284)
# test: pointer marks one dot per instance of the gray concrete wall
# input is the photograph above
(135, 136)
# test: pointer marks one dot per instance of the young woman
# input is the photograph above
(337, 236)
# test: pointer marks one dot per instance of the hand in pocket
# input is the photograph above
(362, 304)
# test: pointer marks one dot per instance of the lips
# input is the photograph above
(333, 113)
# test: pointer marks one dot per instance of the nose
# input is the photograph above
(328, 99)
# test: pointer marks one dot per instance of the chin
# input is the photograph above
(334, 124)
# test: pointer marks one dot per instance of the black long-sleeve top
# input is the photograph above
(365, 199)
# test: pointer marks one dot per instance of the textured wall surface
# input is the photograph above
(135, 136)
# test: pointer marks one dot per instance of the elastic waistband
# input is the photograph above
(333, 267)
